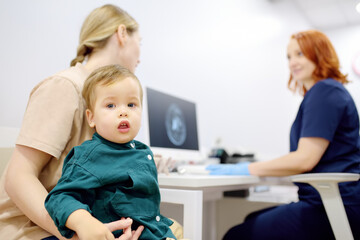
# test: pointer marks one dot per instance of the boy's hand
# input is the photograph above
(125, 225)
(87, 227)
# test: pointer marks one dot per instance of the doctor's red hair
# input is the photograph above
(317, 47)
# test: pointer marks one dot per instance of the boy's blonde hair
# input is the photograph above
(106, 76)
(99, 26)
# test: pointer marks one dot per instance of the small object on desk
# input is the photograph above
(181, 171)
(238, 158)
(193, 169)
(242, 193)
(231, 158)
(219, 153)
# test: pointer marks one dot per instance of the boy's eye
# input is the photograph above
(110, 105)
(131, 105)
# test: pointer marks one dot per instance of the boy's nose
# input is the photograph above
(123, 112)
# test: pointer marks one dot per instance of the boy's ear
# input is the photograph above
(90, 118)
(121, 34)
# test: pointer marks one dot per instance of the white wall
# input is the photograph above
(229, 56)
(347, 43)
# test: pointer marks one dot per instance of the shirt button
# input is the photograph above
(157, 218)
(132, 145)
(149, 157)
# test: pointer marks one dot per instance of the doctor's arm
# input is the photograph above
(305, 158)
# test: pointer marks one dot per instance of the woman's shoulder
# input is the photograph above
(70, 78)
(76, 74)
(328, 84)
(328, 92)
(328, 88)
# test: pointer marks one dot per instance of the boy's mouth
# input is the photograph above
(124, 126)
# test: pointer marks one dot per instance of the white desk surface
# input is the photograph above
(195, 181)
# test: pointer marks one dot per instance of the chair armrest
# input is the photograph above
(327, 186)
(325, 177)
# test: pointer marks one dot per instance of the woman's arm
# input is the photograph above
(24, 188)
(305, 158)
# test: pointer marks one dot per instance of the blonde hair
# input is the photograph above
(106, 76)
(99, 26)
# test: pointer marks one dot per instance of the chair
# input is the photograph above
(8, 136)
(5, 154)
(327, 185)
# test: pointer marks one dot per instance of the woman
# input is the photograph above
(324, 138)
(54, 122)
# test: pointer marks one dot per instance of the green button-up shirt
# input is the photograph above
(110, 181)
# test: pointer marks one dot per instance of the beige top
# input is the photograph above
(54, 122)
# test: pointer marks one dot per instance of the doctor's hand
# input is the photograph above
(229, 169)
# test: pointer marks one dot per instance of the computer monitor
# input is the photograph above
(170, 126)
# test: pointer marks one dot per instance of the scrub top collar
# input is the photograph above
(322, 80)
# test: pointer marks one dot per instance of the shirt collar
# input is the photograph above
(128, 145)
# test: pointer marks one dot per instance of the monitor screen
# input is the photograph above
(172, 121)
(170, 125)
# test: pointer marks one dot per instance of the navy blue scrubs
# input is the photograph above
(327, 111)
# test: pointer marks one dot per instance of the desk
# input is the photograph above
(193, 190)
